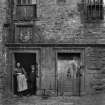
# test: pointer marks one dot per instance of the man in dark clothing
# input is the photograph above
(33, 80)
(78, 80)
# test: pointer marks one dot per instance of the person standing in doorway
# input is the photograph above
(20, 79)
(76, 77)
(78, 80)
(32, 77)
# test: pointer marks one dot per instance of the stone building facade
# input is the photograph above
(51, 32)
(2, 49)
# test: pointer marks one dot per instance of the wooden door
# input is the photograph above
(66, 75)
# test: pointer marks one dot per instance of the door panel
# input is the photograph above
(66, 75)
(64, 79)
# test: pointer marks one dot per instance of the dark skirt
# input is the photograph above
(15, 84)
(76, 87)
(33, 87)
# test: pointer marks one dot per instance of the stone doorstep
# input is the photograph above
(46, 104)
(25, 104)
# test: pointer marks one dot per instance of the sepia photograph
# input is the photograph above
(52, 52)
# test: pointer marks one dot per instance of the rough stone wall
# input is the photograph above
(58, 22)
(95, 67)
(2, 48)
(62, 23)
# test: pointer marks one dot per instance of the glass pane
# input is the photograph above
(93, 1)
(18, 1)
(23, 1)
(33, 1)
(61, 1)
(29, 1)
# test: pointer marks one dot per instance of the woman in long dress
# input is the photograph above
(21, 78)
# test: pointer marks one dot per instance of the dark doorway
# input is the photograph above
(26, 60)
(67, 56)
(64, 66)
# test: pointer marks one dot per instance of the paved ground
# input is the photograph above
(98, 99)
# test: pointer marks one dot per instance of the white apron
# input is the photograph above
(22, 82)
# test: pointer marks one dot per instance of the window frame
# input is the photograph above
(26, 2)
(93, 11)
(32, 4)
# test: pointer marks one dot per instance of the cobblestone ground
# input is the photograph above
(97, 99)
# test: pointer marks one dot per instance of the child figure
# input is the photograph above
(33, 80)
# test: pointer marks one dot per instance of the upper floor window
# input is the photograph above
(93, 9)
(26, 9)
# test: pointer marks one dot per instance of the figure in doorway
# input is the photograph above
(20, 80)
(78, 79)
(76, 74)
(32, 76)
(69, 73)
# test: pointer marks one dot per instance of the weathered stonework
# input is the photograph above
(57, 26)
(2, 48)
